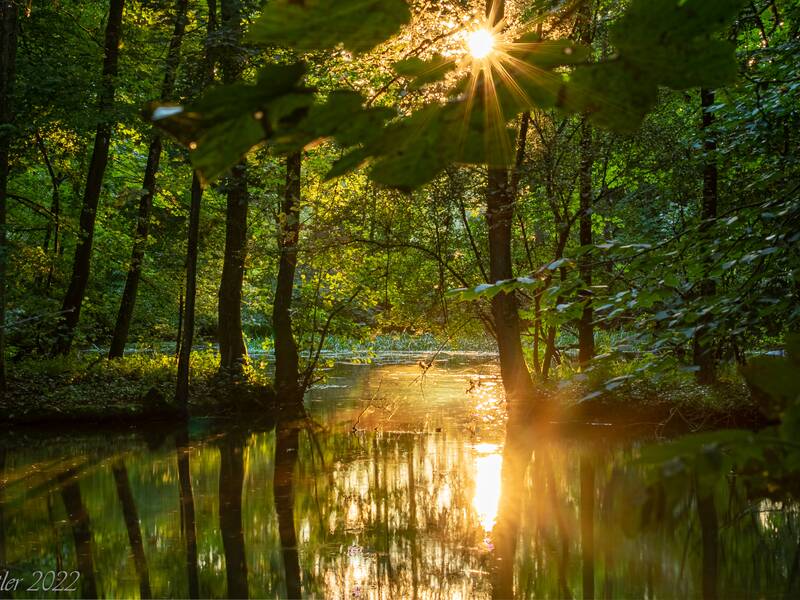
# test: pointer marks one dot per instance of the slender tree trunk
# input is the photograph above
(231, 480)
(8, 61)
(703, 344)
(232, 349)
(286, 358)
(286, 448)
(193, 237)
(184, 357)
(187, 509)
(53, 226)
(73, 299)
(125, 495)
(81, 531)
(585, 325)
(500, 199)
(128, 302)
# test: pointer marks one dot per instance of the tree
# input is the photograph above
(192, 243)
(73, 299)
(702, 343)
(500, 200)
(232, 348)
(128, 301)
(286, 358)
(8, 54)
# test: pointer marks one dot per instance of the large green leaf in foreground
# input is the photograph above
(359, 25)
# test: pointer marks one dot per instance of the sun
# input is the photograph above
(480, 43)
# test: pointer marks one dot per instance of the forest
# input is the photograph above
(400, 298)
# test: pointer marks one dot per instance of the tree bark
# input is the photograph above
(286, 357)
(703, 349)
(500, 199)
(128, 302)
(585, 326)
(232, 349)
(8, 61)
(184, 357)
(53, 226)
(73, 299)
(193, 237)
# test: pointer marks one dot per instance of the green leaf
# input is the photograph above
(424, 71)
(228, 121)
(359, 25)
(615, 95)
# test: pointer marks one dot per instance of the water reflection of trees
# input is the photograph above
(286, 512)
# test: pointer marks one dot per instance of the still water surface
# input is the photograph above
(402, 485)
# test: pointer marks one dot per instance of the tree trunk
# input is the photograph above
(232, 349)
(193, 237)
(703, 349)
(131, 515)
(8, 61)
(54, 225)
(585, 326)
(231, 480)
(505, 309)
(286, 358)
(500, 199)
(128, 302)
(182, 388)
(73, 299)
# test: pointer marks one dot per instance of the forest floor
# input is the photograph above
(91, 388)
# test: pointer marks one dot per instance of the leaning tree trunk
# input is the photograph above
(703, 345)
(232, 349)
(128, 301)
(286, 357)
(73, 299)
(8, 60)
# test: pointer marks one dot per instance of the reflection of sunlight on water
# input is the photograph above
(488, 464)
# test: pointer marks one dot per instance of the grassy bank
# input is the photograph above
(141, 385)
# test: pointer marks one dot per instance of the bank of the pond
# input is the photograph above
(141, 387)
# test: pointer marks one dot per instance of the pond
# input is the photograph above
(404, 483)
